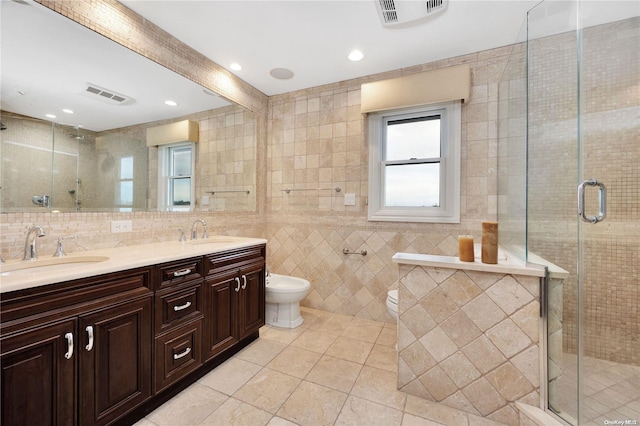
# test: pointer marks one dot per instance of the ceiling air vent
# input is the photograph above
(109, 96)
(403, 13)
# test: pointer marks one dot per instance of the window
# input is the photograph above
(414, 164)
(176, 177)
(124, 184)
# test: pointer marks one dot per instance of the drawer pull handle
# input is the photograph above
(181, 307)
(90, 335)
(237, 282)
(183, 354)
(69, 337)
(182, 272)
(244, 282)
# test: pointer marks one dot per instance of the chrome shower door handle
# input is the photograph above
(602, 201)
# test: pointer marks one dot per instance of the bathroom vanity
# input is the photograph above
(107, 340)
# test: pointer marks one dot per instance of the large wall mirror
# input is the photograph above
(75, 111)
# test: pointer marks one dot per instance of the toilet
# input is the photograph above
(392, 303)
(283, 296)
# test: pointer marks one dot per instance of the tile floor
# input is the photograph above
(332, 370)
(611, 391)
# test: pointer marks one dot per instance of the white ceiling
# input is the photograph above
(47, 61)
(51, 58)
(313, 38)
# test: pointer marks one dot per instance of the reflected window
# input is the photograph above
(124, 190)
(414, 164)
(177, 177)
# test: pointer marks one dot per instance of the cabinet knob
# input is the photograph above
(244, 282)
(69, 337)
(237, 289)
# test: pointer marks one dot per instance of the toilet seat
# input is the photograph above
(392, 295)
(392, 303)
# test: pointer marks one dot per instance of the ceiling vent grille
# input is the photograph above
(403, 13)
(109, 96)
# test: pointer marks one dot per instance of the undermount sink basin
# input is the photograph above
(47, 265)
(214, 240)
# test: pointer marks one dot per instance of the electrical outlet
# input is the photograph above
(121, 226)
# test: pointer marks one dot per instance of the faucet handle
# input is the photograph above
(204, 234)
(59, 250)
(182, 237)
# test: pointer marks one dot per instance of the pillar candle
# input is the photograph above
(465, 248)
(490, 242)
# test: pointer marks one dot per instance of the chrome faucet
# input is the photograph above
(194, 232)
(60, 250)
(30, 251)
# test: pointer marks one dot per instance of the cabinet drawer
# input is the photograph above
(177, 307)
(174, 273)
(232, 259)
(178, 353)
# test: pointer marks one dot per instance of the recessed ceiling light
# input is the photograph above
(50, 116)
(235, 66)
(356, 55)
(171, 103)
(68, 111)
(281, 73)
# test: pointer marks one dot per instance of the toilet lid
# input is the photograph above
(393, 296)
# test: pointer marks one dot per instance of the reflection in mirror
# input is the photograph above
(66, 169)
(96, 158)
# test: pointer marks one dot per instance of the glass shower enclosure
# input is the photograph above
(569, 114)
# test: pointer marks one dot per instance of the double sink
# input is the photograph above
(51, 264)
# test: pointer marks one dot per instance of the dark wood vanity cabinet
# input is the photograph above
(115, 361)
(178, 339)
(234, 297)
(38, 382)
(86, 362)
(107, 349)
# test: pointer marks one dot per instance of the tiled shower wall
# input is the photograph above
(609, 105)
(317, 141)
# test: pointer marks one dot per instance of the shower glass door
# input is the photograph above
(609, 271)
(583, 136)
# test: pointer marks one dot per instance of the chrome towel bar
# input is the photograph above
(347, 251)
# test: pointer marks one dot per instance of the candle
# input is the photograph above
(490, 242)
(465, 248)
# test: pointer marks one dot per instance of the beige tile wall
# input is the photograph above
(318, 139)
(469, 340)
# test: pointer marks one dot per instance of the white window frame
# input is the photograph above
(164, 178)
(449, 209)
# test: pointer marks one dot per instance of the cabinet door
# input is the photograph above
(38, 381)
(220, 315)
(115, 365)
(252, 299)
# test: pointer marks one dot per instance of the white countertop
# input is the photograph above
(507, 263)
(23, 274)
